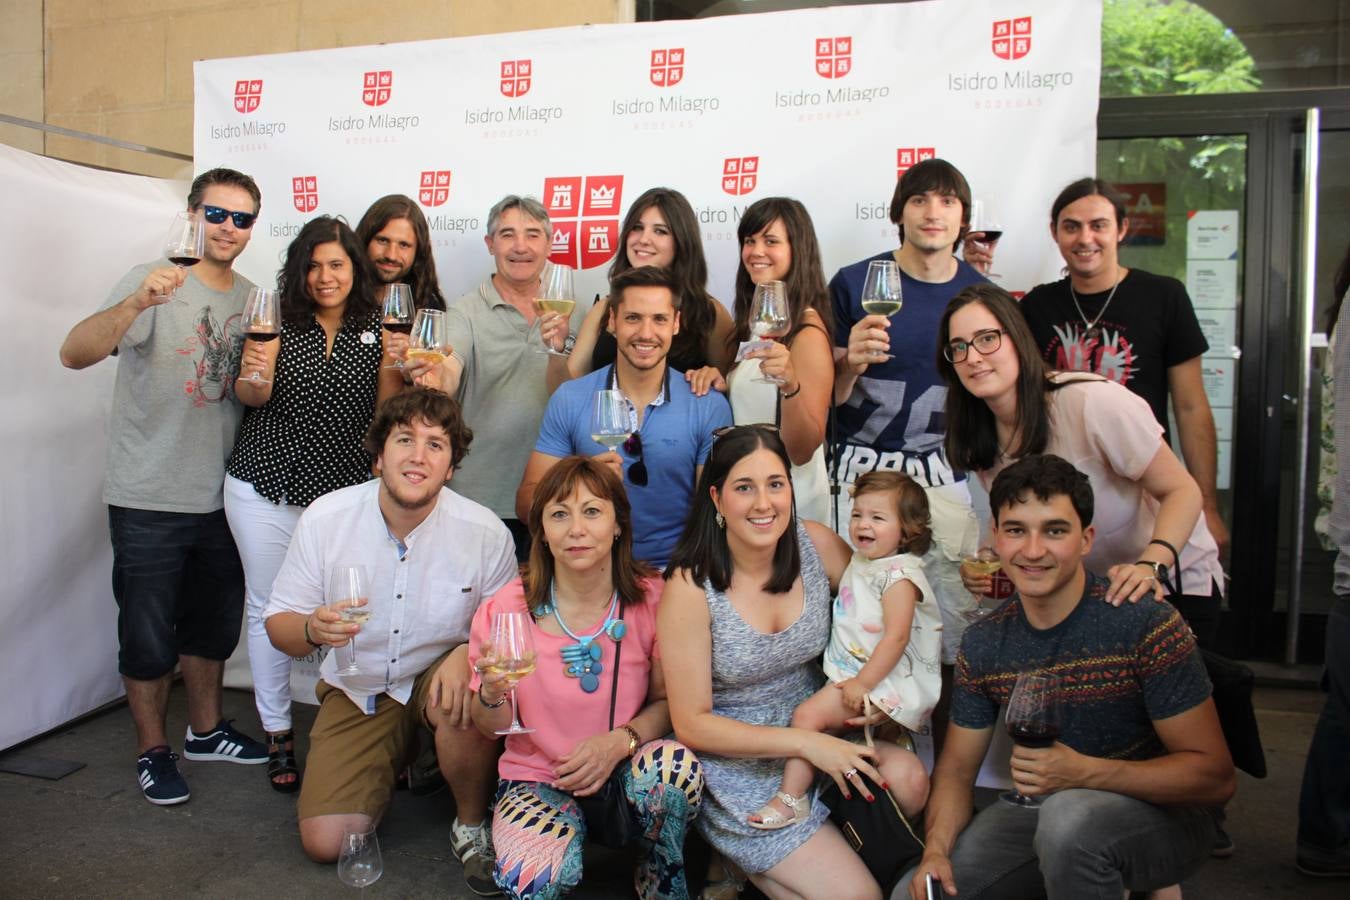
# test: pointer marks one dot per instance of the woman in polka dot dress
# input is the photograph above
(301, 435)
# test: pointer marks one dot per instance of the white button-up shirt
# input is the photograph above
(422, 593)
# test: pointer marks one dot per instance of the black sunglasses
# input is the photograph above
(637, 472)
(216, 214)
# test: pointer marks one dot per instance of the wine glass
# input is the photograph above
(984, 220)
(986, 562)
(429, 339)
(1033, 721)
(262, 321)
(347, 593)
(185, 244)
(397, 313)
(359, 861)
(611, 419)
(513, 649)
(882, 293)
(555, 295)
(769, 317)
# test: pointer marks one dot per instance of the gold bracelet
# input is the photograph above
(633, 739)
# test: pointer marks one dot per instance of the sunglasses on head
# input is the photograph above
(637, 472)
(216, 214)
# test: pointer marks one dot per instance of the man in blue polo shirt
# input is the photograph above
(672, 429)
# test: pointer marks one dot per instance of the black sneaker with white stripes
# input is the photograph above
(157, 772)
(224, 744)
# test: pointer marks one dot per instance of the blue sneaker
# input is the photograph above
(157, 771)
(224, 744)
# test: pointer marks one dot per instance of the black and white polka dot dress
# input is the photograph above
(306, 440)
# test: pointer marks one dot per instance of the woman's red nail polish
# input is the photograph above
(871, 799)
(885, 785)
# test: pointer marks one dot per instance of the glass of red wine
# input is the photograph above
(1033, 721)
(262, 322)
(185, 243)
(397, 315)
(985, 229)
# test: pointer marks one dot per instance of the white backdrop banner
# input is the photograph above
(827, 106)
(70, 234)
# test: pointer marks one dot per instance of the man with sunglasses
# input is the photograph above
(672, 429)
(177, 578)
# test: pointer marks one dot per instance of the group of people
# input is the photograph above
(785, 524)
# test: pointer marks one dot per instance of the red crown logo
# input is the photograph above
(434, 188)
(247, 95)
(376, 87)
(1012, 38)
(305, 189)
(667, 67)
(834, 57)
(515, 77)
(740, 174)
(905, 157)
(585, 216)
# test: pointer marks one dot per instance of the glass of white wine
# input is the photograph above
(769, 317)
(429, 339)
(262, 321)
(513, 652)
(882, 294)
(611, 419)
(359, 860)
(348, 594)
(555, 296)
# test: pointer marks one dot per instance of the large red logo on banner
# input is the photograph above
(585, 216)
(434, 188)
(740, 174)
(247, 95)
(515, 77)
(905, 157)
(1012, 38)
(667, 67)
(834, 57)
(376, 87)
(305, 189)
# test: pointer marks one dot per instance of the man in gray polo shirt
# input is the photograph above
(496, 370)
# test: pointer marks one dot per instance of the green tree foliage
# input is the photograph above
(1154, 47)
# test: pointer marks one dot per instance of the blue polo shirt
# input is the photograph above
(676, 438)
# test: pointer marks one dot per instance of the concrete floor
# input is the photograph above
(92, 835)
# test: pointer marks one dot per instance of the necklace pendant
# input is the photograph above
(590, 683)
(594, 651)
(616, 630)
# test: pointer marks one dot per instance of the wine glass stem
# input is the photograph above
(515, 716)
(351, 646)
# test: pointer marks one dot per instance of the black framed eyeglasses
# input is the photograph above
(984, 342)
(637, 472)
(216, 214)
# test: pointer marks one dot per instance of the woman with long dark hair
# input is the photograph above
(1002, 404)
(301, 436)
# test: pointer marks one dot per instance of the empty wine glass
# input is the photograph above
(769, 317)
(1032, 719)
(359, 861)
(262, 321)
(397, 313)
(347, 593)
(555, 295)
(429, 339)
(611, 419)
(513, 650)
(985, 221)
(185, 243)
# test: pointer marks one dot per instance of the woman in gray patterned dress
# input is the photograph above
(744, 617)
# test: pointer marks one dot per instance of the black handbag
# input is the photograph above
(610, 821)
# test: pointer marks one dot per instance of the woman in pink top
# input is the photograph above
(584, 591)
(1002, 405)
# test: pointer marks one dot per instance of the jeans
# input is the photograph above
(1080, 845)
(1324, 803)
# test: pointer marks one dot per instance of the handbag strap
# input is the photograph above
(1176, 561)
(614, 680)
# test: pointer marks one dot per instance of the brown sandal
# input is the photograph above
(281, 762)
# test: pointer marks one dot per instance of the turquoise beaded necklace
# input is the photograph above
(582, 659)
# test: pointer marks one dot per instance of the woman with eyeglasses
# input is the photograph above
(1002, 404)
(307, 412)
(745, 617)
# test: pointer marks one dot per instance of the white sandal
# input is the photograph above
(770, 819)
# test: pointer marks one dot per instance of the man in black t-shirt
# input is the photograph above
(1128, 325)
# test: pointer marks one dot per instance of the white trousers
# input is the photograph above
(262, 532)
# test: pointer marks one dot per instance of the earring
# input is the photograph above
(721, 522)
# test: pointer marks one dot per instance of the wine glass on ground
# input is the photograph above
(262, 321)
(513, 649)
(611, 419)
(985, 221)
(986, 562)
(1033, 721)
(428, 339)
(555, 295)
(359, 861)
(769, 317)
(882, 293)
(185, 244)
(397, 314)
(347, 593)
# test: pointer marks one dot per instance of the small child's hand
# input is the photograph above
(854, 692)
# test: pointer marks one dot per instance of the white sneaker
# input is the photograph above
(473, 845)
